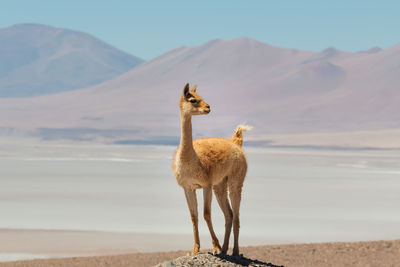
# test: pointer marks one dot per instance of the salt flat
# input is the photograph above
(129, 193)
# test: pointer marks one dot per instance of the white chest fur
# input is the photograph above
(188, 172)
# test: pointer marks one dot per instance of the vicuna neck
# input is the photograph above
(186, 142)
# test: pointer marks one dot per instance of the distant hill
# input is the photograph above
(277, 90)
(38, 60)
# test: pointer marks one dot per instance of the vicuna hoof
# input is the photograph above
(194, 251)
(216, 250)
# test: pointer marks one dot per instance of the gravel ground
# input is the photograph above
(209, 260)
(377, 253)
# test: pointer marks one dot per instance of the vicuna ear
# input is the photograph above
(194, 88)
(186, 90)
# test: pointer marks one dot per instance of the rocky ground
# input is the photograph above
(209, 260)
(377, 253)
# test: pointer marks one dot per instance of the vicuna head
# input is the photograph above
(191, 103)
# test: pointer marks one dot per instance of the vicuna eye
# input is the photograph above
(193, 101)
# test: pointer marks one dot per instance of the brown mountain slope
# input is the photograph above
(275, 89)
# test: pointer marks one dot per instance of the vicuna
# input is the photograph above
(213, 164)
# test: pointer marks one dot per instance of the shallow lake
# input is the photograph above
(290, 195)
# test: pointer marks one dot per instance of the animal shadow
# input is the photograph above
(245, 261)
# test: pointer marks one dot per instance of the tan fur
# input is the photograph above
(237, 136)
(216, 164)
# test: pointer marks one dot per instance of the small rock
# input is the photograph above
(311, 251)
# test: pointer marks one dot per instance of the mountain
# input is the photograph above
(38, 59)
(277, 90)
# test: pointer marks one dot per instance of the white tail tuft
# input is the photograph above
(237, 137)
(244, 127)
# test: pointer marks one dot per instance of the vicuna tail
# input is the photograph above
(237, 136)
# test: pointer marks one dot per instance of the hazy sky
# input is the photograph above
(149, 28)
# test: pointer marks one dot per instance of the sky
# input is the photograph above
(149, 28)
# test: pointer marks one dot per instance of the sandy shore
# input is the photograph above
(21, 244)
(375, 253)
(24, 243)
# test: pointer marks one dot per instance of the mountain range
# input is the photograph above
(277, 90)
(38, 59)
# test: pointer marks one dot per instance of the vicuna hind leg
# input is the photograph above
(221, 194)
(207, 194)
(191, 200)
(235, 195)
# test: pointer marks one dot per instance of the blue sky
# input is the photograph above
(149, 28)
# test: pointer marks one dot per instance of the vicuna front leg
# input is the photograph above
(191, 200)
(207, 195)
